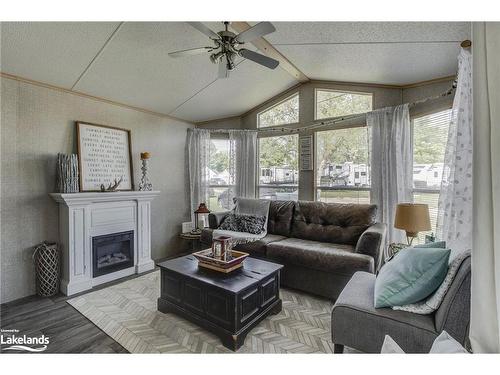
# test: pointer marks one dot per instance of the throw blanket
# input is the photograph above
(246, 206)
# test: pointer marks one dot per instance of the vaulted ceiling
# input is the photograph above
(129, 63)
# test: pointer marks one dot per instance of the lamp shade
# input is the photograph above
(412, 217)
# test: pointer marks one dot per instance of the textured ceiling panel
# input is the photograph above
(51, 52)
(248, 85)
(135, 68)
(354, 32)
(376, 63)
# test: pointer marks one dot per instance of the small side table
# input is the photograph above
(193, 238)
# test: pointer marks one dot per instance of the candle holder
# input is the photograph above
(221, 248)
(145, 184)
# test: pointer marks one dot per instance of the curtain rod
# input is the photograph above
(224, 131)
(339, 119)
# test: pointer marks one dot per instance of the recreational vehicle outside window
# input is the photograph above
(221, 184)
(430, 134)
(285, 112)
(278, 164)
(342, 166)
(332, 103)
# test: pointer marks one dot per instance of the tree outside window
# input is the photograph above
(285, 112)
(342, 158)
(342, 166)
(331, 103)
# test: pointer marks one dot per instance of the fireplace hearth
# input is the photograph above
(112, 252)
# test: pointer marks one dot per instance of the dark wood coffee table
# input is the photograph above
(228, 305)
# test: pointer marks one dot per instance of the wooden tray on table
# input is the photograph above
(206, 260)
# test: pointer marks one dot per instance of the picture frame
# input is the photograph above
(104, 156)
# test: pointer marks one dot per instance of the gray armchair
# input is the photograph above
(356, 323)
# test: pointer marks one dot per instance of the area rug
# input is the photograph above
(127, 313)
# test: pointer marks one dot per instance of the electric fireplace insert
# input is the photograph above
(112, 252)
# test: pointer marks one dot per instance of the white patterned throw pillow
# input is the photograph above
(432, 303)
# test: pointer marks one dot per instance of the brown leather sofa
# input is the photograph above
(321, 245)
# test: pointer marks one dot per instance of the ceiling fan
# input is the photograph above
(227, 45)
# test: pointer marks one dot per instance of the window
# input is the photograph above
(430, 135)
(342, 166)
(278, 166)
(330, 103)
(221, 183)
(285, 112)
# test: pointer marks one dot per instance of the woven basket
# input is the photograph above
(47, 268)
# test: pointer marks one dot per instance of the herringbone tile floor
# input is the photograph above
(127, 313)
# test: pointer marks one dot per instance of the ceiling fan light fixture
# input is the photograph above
(216, 57)
(229, 46)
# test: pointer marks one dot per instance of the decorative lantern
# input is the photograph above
(201, 213)
(221, 247)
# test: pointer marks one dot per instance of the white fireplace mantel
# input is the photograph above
(85, 215)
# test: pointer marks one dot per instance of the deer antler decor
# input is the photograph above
(112, 187)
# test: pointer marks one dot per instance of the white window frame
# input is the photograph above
(316, 89)
(297, 94)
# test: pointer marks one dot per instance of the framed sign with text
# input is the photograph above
(104, 157)
(306, 153)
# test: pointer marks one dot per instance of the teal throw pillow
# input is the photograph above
(414, 274)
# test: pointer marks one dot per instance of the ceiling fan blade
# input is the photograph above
(223, 71)
(259, 59)
(205, 30)
(190, 52)
(261, 29)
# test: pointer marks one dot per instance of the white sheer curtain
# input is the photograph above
(454, 221)
(198, 155)
(242, 163)
(485, 293)
(391, 163)
(243, 157)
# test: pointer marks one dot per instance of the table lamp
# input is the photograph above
(412, 218)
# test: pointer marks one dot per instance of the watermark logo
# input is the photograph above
(15, 341)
